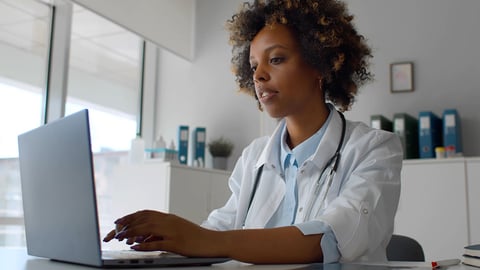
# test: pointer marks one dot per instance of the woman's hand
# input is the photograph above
(151, 230)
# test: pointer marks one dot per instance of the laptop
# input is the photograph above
(59, 200)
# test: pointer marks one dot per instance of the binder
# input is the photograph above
(199, 144)
(406, 127)
(429, 134)
(183, 144)
(379, 121)
(452, 136)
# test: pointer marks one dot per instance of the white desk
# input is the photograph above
(17, 259)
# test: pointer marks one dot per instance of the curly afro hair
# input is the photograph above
(327, 37)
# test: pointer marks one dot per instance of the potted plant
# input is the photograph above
(220, 149)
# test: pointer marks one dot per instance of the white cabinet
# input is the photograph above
(439, 205)
(185, 191)
(473, 193)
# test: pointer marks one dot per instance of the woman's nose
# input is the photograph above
(260, 74)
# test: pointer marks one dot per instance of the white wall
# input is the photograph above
(442, 38)
(203, 92)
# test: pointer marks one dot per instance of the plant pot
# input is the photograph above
(219, 163)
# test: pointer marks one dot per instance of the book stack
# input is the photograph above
(471, 255)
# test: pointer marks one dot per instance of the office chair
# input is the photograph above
(404, 248)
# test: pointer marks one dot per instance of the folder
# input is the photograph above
(379, 121)
(406, 127)
(429, 134)
(183, 144)
(199, 144)
(452, 136)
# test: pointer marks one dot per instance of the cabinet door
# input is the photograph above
(133, 187)
(189, 192)
(194, 192)
(432, 207)
(473, 191)
(220, 192)
(138, 187)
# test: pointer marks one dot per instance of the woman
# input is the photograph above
(320, 188)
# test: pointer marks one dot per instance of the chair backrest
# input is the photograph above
(404, 248)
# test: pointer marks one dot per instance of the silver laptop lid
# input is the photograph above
(58, 191)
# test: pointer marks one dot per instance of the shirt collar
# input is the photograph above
(305, 149)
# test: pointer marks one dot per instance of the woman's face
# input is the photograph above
(284, 83)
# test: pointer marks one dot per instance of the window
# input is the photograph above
(24, 39)
(104, 77)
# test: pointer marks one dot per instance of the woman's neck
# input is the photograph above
(301, 127)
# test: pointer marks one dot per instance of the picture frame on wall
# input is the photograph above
(401, 77)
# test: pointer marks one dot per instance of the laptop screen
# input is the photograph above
(58, 191)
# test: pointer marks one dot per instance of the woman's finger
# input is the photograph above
(143, 230)
(149, 246)
(139, 217)
(110, 236)
(136, 239)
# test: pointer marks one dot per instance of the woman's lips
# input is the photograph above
(265, 95)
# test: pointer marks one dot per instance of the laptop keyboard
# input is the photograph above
(132, 254)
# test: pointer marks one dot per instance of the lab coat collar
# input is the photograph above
(270, 155)
(329, 143)
(269, 193)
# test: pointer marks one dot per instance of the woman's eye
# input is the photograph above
(276, 60)
(253, 68)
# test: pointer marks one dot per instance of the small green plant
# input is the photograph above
(220, 147)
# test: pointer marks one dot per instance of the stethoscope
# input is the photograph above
(332, 163)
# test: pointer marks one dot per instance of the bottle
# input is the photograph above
(160, 143)
(440, 152)
(173, 151)
(159, 148)
(137, 150)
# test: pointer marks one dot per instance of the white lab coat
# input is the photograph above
(360, 205)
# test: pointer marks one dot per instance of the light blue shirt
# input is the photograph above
(285, 214)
